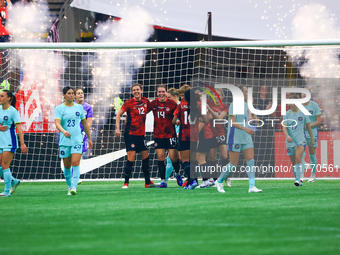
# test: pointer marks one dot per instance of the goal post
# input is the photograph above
(37, 72)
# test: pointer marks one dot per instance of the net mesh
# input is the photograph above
(38, 76)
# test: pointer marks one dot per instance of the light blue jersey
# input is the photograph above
(295, 122)
(70, 118)
(235, 135)
(8, 138)
(314, 110)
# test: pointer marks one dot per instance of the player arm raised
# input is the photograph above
(61, 129)
(87, 131)
(21, 137)
(119, 114)
(236, 125)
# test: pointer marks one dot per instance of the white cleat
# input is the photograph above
(204, 184)
(229, 184)
(211, 182)
(69, 192)
(73, 191)
(311, 180)
(220, 187)
(254, 190)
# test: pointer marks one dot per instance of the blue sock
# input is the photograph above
(251, 172)
(7, 178)
(76, 176)
(294, 171)
(225, 172)
(169, 168)
(1, 172)
(303, 160)
(68, 176)
(298, 170)
(313, 162)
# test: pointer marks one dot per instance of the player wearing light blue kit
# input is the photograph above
(239, 140)
(294, 130)
(9, 120)
(315, 120)
(68, 117)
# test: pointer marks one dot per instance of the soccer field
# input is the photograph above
(105, 219)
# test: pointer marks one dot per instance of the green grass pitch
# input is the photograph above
(104, 219)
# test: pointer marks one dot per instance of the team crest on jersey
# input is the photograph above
(167, 109)
(156, 144)
(5, 117)
(145, 105)
(133, 145)
(289, 150)
(311, 112)
(62, 152)
(85, 113)
(300, 118)
(237, 146)
(77, 113)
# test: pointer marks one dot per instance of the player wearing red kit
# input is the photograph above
(218, 111)
(164, 131)
(136, 109)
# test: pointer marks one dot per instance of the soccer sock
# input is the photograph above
(225, 161)
(128, 170)
(176, 166)
(161, 168)
(204, 171)
(76, 175)
(251, 172)
(68, 176)
(294, 171)
(169, 168)
(225, 172)
(1, 172)
(303, 163)
(7, 179)
(313, 162)
(145, 169)
(298, 169)
(186, 167)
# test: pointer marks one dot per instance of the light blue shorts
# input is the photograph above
(240, 147)
(315, 142)
(7, 149)
(67, 151)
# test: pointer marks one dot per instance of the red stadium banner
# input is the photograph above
(328, 163)
(36, 107)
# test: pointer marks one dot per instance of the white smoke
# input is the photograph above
(28, 23)
(113, 70)
(319, 65)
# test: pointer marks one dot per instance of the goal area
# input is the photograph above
(37, 73)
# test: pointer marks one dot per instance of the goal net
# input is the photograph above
(37, 76)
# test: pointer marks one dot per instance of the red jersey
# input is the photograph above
(136, 116)
(3, 17)
(188, 130)
(206, 127)
(218, 130)
(163, 113)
